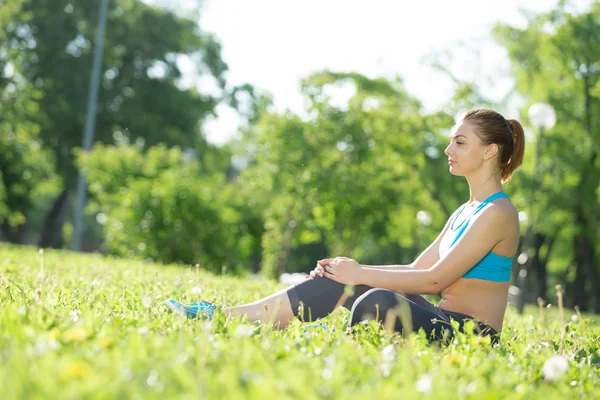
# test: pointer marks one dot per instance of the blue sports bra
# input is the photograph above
(492, 267)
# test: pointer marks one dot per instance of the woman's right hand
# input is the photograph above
(320, 268)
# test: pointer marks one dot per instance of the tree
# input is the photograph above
(350, 177)
(141, 95)
(25, 165)
(555, 59)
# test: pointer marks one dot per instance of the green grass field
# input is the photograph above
(83, 326)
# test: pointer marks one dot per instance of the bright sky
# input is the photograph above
(273, 44)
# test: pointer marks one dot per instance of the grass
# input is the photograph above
(83, 326)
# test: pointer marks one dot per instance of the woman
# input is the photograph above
(469, 262)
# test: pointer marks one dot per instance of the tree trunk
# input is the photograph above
(586, 264)
(585, 257)
(539, 267)
(579, 290)
(588, 250)
(51, 234)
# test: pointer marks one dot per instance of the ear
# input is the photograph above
(490, 152)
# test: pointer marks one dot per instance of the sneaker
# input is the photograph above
(192, 310)
(315, 327)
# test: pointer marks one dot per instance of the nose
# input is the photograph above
(448, 150)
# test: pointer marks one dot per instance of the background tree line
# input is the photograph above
(367, 179)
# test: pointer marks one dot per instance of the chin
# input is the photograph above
(454, 172)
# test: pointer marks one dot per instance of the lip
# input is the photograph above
(451, 162)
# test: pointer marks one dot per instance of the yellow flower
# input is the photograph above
(75, 335)
(54, 333)
(106, 342)
(455, 359)
(75, 369)
(481, 340)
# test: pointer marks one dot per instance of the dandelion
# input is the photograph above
(425, 384)
(74, 315)
(196, 290)
(75, 369)
(182, 358)
(327, 374)
(76, 334)
(469, 389)
(481, 340)
(147, 301)
(555, 367)
(152, 378)
(388, 353)
(54, 333)
(244, 330)
(386, 369)
(106, 342)
(455, 359)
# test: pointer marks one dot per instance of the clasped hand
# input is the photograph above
(340, 269)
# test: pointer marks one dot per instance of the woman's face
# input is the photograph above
(465, 151)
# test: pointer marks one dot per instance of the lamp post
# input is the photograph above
(541, 116)
(90, 121)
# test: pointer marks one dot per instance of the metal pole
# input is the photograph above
(90, 121)
(536, 173)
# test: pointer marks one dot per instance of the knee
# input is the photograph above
(374, 305)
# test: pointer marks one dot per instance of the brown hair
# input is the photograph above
(493, 128)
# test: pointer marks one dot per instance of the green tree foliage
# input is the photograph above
(351, 176)
(156, 205)
(555, 59)
(142, 96)
(25, 165)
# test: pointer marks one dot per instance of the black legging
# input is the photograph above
(317, 297)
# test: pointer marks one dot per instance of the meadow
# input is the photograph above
(76, 326)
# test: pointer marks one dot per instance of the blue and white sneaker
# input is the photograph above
(315, 327)
(192, 310)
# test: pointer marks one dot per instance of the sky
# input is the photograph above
(273, 44)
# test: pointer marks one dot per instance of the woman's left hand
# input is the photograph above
(344, 270)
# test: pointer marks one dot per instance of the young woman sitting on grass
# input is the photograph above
(469, 262)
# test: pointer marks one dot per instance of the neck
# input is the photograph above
(483, 184)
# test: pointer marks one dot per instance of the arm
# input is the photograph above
(486, 231)
(427, 258)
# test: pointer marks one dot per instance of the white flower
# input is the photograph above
(388, 353)
(244, 330)
(425, 384)
(147, 301)
(74, 315)
(152, 378)
(555, 367)
(574, 318)
(196, 290)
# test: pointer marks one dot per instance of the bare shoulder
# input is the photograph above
(501, 213)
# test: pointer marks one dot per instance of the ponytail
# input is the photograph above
(518, 149)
